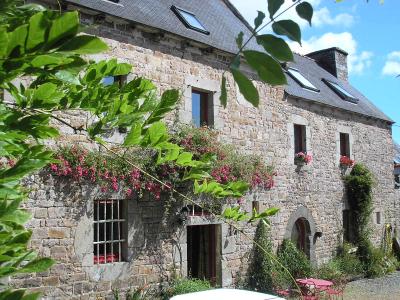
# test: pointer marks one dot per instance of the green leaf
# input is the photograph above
(259, 19)
(168, 101)
(223, 97)
(45, 91)
(54, 59)
(239, 40)
(122, 69)
(305, 11)
(184, 159)
(273, 7)
(37, 265)
(3, 41)
(16, 40)
(289, 29)
(246, 87)
(65, 26)
(134, 136)
(275, 46)
(267, 68)
(32, 296)
(37, 31)
(84, 44)
(157, 133)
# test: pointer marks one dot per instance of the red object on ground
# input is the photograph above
(311, 287)
(108, 258)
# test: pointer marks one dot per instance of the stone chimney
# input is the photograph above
(334, 60)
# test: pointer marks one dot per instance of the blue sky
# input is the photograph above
(369, 32)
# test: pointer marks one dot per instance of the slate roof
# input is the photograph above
(219, 17)
(224, 22)
(314, 73)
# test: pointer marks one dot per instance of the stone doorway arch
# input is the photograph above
(301, 230)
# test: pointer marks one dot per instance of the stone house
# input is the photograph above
(188, 45)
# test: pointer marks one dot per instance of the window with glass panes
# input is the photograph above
(300, 138)
(201, 108)
(345, 144)
(109, 231)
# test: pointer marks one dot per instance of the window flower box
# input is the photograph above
(345, 163)
(302, 159)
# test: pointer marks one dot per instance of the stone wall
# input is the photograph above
(63, 213)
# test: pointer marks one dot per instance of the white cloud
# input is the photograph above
(392, 65)
(322, 16)
(357, 62)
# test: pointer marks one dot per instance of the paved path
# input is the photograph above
(384, 288)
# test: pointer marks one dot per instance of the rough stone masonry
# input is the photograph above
(156, 246)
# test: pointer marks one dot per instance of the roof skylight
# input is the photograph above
(345, 95)
(189, 19)
(300, 79)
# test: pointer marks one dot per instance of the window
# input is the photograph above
(189, 20)
(109, 80)
(378, 217)
(299, 139)
(396, 175)
(345, 144)
(109, 231)
(341, 92)
(300, 79)
(202, 109)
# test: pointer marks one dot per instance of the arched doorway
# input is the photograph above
(300, 235)
(301, 230)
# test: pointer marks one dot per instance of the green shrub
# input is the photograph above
(330, 271)
(295, 261)
(186, 285)
(379, 264)
(348, 262)
(261, 267)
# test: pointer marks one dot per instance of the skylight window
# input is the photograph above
(300, 79)
(189, 19)
(341, 92)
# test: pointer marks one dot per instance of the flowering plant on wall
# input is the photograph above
(346, 162)
(230, 164)
(115, 174)
(302, 158)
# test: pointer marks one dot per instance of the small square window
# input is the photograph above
(397, 181)
(345, 144)
(378, 217)
(300, 139)
(109, 231)
(202, 109)
(189, 19)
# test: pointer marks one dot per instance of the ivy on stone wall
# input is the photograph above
(359, 185)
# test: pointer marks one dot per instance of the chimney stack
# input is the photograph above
(333, 60)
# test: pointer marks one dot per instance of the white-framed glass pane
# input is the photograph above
(304, 82)
(191, 19)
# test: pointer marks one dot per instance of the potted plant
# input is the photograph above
(302, 158)
(345, 163)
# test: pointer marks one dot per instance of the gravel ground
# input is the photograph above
(384, 288)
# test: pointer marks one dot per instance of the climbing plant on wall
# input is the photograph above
(359, 185)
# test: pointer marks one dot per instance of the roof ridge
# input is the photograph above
(238, 14)
(303, 55)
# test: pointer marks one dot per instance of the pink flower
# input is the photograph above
(128, 192)
(54, 167)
